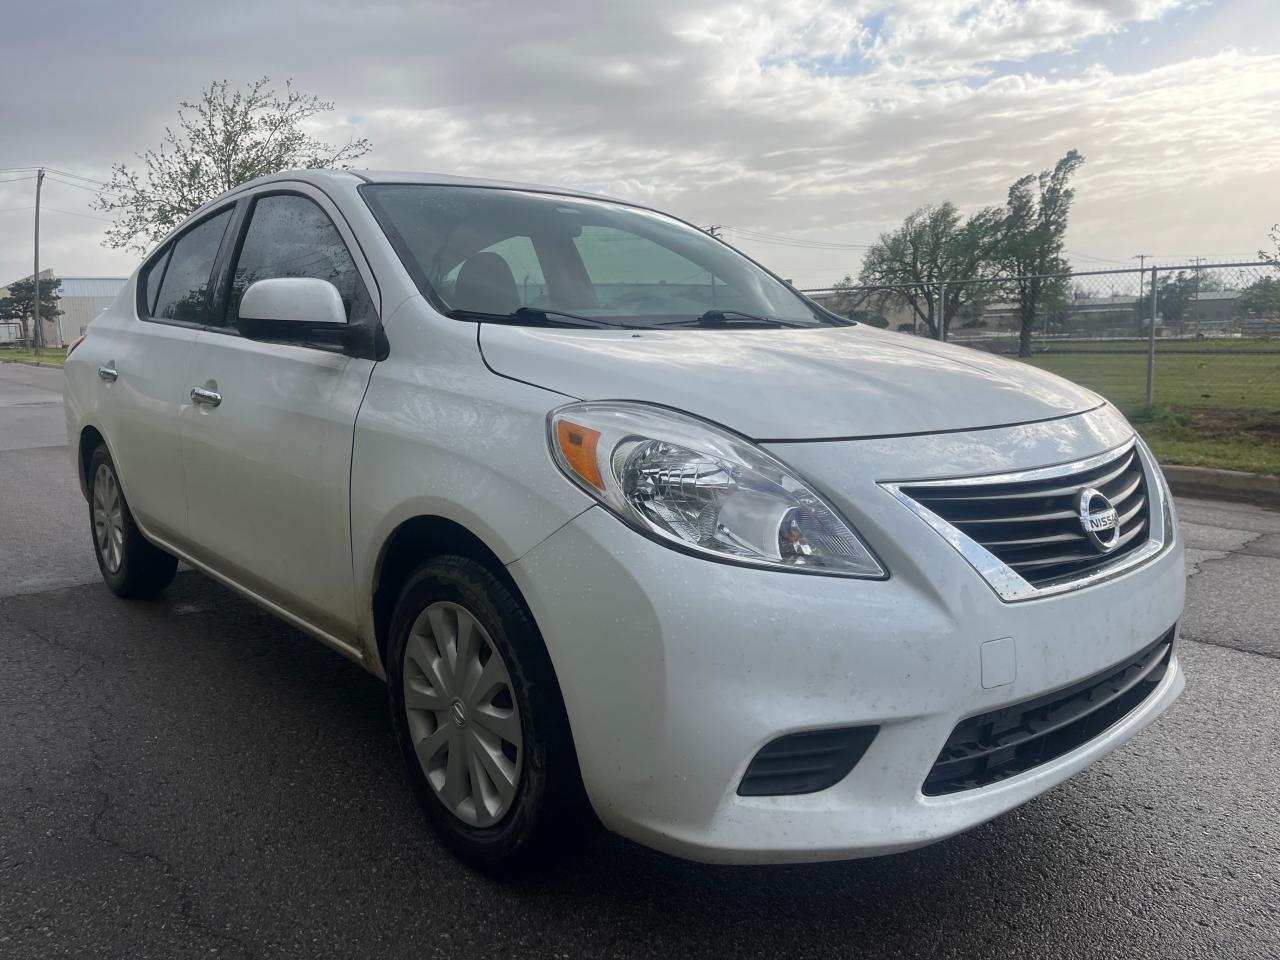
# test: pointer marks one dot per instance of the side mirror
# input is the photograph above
(292, 308)
(307, 310)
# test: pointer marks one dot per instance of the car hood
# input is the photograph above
(827, 383)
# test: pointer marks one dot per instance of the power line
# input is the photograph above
(1086, 256)
(76, 176)
(61, 173)
(93, 190)
(72, 213)
(45, 206)
(794, 241)
(78, 186)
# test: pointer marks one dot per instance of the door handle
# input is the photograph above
(207, 398)
(108, 374)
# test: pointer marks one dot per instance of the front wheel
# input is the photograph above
(479, 719)
(130, 565)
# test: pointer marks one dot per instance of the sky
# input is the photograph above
(817, 124)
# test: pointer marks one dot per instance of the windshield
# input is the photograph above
(485, 253)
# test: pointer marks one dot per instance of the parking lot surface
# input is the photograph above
(190, 777)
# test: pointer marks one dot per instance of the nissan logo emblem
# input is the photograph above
(1098, 518)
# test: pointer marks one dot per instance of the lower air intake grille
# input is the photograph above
(1034, 526)
(805, 762)
(1003, 743)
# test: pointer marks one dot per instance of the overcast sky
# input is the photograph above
(822, 121)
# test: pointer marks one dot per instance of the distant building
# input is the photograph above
(83, 298)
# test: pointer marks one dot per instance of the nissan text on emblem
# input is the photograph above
(1098, 517)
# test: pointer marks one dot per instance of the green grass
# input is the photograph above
(1226, 381)
(1220, 410)
(48, 355)
(1222, 345)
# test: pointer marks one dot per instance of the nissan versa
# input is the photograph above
(634, 531)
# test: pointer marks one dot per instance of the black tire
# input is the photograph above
(143, 569)
(550, 817)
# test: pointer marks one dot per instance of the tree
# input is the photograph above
(18, 304)
(1261, 298)
(225, 138)
(1272, 258)
(910, 265)
(1035, 224)
(1174, 295)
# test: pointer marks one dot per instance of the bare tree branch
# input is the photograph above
(223, 139)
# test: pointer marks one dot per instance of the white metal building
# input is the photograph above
(83, 298)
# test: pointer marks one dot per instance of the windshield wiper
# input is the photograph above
(525, 313)
(533, 316)
(723, 318)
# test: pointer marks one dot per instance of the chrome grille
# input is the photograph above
(1029, 524)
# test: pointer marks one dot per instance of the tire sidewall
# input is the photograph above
(116, 581)
(512, 636)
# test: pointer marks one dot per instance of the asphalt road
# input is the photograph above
(189, 777)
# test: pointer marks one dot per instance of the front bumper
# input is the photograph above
(676, 670)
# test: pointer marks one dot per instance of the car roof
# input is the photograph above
(350, 178)
(323, 177)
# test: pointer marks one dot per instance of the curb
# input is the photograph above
(1237, 486)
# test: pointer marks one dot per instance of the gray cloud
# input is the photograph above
(798, 117)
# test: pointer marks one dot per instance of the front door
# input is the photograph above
(266, 444)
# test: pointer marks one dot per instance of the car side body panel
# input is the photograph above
(268, 471)
(137, 412)
(439, 435)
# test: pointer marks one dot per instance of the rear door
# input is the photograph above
(268, 467)
(142, 376)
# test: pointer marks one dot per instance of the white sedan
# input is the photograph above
(636, 533)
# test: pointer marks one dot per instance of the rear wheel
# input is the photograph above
(479, 719)
(131, 566)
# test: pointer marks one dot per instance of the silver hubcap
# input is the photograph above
(108, 522)
(462, 714)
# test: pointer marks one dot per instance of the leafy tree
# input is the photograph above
(1261, 298)
(20, 301)
(223, 139)
(1272, 258)
(1035, 224)
(1174, 295)
(908, 266)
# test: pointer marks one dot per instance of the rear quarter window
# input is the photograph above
(184, 291)
(151, 278)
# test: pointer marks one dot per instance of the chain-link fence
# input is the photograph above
(1192, 337)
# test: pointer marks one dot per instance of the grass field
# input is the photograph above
(50, 356)
(1216, 409)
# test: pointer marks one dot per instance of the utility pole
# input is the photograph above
(714, 230)
(1142, 276)
(942, 311)
(1151, 341)
(1195, 301)
(37, 335)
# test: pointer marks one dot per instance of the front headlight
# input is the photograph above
(702, 489)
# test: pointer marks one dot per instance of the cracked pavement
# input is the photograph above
(190, 777)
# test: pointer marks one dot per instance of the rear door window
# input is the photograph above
(184, 291)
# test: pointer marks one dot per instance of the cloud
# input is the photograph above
(796, 117)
